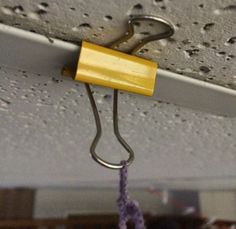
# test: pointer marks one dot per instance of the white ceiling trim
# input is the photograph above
(38, 54)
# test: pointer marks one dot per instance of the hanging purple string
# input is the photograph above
(128, 209)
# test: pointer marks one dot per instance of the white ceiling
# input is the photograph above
(46, 122)
(47, 128)
(203, 46)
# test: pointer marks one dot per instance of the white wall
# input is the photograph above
(218, 204)
(60, 203)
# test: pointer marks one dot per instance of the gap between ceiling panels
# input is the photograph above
(170, 86)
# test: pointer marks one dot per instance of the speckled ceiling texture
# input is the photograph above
(46, 122)
(47, 127)
(203, 47)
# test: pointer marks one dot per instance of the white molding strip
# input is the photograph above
(35, 53)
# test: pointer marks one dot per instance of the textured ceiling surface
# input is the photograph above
(46, 122)
(47, 127)
(203, 46)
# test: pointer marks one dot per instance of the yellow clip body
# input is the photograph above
(110, 68)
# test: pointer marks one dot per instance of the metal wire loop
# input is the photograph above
(137, 18)
(99, 132)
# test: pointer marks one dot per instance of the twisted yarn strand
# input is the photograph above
(128, 209)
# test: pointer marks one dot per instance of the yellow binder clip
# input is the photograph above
(112, 68)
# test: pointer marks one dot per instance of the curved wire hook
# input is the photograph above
(99, 132)
(142, 42)
(131, 23)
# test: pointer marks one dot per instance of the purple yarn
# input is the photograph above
(128, 209)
